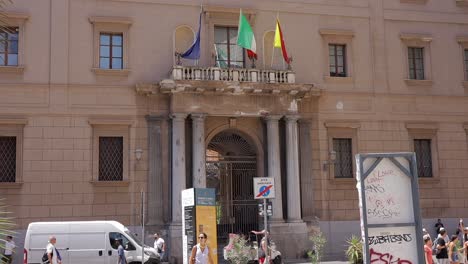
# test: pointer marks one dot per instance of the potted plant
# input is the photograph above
(354, 250)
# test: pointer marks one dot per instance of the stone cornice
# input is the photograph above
(169, 86)
(428, 126)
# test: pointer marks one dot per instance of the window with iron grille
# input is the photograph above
(111, 51)
(9, 46)
(422, 148)
(344, 154)
(228, 53)
(337, 60)
(466, 64)
(110, 158)
(416, 63)
(7, 159)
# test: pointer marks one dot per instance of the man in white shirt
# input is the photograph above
(9, 250)
(52, 253)
(159, 245)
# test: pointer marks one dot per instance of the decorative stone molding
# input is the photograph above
(124, 183)
(13, 121)
(342, 124)
(234, 88)
(412, 82)
(428, 126)
(111, 72)
(415, 37)
(110, 20)
(462, 3)
(337, 32)
(462, 39)
(340, 80)
(465, 84)
(413, 1)
(12, 69)
(110, 121)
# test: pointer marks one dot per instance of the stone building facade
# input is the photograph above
(95, 108)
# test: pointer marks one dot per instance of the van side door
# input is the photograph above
(87, 247)
(112, 245)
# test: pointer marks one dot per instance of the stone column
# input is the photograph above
(292, 169)
(155, 170)
(274, 165)
(198, 150)
(178, 165)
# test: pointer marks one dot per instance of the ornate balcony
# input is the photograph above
(232, 74)
(229, 81)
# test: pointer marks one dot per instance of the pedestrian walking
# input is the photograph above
(453, 250)
(442, 254)
(201, 253)
(428, 249)
(52, 255)
(120, 253)
(9, 250)
(160, 245)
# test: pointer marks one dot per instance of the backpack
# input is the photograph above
(435, 251)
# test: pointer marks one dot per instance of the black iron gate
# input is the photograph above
(236, 208)
(231, 165)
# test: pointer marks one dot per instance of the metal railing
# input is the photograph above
(232, 74)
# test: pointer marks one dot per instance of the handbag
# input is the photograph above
(45, 257)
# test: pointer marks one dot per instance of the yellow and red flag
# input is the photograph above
(279, 41)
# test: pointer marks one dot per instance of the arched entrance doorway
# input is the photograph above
(231, 165)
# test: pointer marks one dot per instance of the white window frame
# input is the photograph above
(463, 41)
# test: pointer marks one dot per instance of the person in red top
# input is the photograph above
(428, 249)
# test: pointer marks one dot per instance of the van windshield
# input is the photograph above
(134, 238)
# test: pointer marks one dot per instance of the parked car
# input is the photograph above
(86, 242)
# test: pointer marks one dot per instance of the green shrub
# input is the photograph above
(354, 250)
(318, 241)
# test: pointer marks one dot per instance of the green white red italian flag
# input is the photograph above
(245, 36)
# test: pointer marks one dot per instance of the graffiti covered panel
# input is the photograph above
(388, 195)
(392, 245)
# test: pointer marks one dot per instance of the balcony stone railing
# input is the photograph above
(232, 74)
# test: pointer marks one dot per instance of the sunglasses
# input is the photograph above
(201, 237)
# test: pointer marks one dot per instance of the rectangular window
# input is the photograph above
(466, 64)
(416, 63)
(344, 157)
(228, 54)
(422, 148)
(111, 51)
(9, 46)
(337, 60)
(7, 159)
(110, 158)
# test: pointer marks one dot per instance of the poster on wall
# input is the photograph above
(387, 184)
(199, 215)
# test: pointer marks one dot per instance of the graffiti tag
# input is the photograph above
(386, 258)
(376, 240)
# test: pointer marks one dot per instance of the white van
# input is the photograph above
(85, 242)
